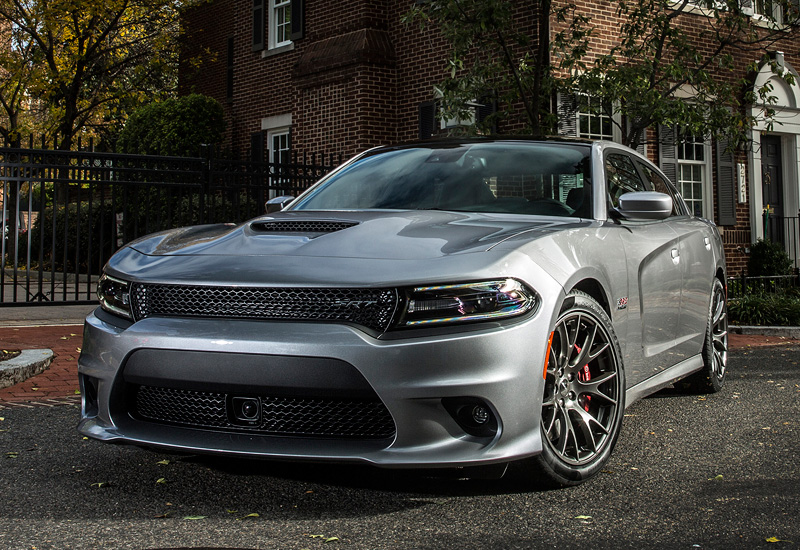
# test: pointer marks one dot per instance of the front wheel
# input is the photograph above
(584, 395)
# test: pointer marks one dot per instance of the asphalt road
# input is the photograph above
(719, 471)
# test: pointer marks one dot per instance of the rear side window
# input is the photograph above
(622, 177)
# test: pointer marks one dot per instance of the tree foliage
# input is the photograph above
(680, 64)
(173, 127)
(497, 52)
(675, 62)
(84, 63)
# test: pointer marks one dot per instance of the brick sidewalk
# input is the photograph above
(61, 377)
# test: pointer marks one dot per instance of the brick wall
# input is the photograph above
(358, 76)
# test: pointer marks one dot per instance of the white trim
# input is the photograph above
(277, 121)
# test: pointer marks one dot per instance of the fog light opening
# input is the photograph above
(88, 388)
(473, 415)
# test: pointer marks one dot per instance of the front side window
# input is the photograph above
(280, 23)
(658, 183)
(693, 179)
(621, 177)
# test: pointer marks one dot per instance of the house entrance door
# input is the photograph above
(772, 188)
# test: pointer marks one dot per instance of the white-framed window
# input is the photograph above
(595, 118)
(694, 180)
(280, 155)
(769, 9)
(280, 23)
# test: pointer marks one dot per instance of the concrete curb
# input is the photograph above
(781, 332)
(29, 362)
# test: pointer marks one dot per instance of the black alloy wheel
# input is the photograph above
(584, 395)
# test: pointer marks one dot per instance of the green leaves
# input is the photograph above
(176, 127)
(85, 64)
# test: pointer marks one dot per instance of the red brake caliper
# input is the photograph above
(584, 376)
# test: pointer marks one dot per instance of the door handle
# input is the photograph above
(676, 256)
(707, 242)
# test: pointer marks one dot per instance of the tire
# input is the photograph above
(711, 377)
(584, 396)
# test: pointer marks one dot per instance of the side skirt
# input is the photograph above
(663, 379)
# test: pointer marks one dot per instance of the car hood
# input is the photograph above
(391, 235)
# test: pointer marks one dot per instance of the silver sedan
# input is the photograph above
(445, 304)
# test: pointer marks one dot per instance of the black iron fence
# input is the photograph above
(66, 212)
(744, 285)
(784, 230)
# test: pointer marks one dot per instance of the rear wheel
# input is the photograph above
(584, 395)
(711, 377)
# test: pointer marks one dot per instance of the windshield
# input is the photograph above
(551, 179)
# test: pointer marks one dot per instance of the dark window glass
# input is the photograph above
(621, 177)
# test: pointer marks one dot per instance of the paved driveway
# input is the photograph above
(718, 471)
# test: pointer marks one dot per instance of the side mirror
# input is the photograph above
(645, 205)
(278, 203)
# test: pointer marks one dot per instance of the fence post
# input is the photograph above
(207, 152)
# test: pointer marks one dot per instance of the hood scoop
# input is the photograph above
(308, 228)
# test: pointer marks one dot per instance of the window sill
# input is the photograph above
(276, 51)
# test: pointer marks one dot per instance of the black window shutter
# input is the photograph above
(259, 24)
(567, 110)
(427, 119)
(641, 147)
(298, 26)
(487, 106)
(726, 185)
(257, 147)
(668, 152)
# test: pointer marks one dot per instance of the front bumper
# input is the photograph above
(500, 365)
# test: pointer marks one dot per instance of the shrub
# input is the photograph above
(765, 310)
(175, 127)
(768, 258)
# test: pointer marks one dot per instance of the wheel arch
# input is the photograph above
(720, 274)
(595, 289)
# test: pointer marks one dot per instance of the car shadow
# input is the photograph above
(471, 481)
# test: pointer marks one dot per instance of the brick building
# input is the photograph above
(340, 76)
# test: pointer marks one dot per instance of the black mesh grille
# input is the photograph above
(372, 308)
(306, 226)
(286, 416)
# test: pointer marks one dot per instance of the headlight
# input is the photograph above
(459, 303)
(114, 296)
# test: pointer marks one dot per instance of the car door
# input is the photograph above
(697, 263)
(652, 251)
